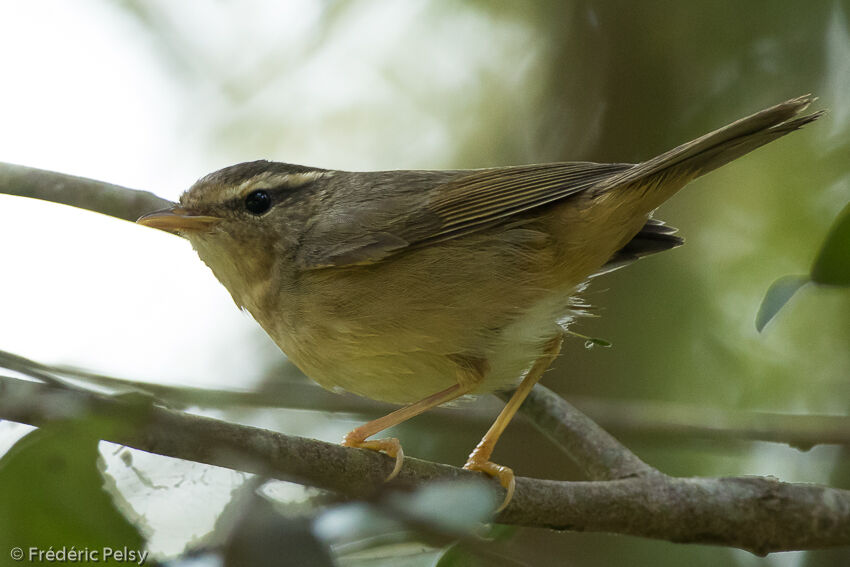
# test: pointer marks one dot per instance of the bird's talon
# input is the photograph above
(503, 474)
(390, 446)
(399, 461)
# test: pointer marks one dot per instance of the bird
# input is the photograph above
(419, 287)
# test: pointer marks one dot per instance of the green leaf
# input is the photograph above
(53, 496)
(779, 293)
(832, 265)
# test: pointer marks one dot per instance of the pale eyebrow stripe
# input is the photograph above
(277, 181)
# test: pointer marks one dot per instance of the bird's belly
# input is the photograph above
(476, 310)
(369, 368)
(404, 366)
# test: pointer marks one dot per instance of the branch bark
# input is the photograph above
(97, 196)
(761, 515)
(600, 455)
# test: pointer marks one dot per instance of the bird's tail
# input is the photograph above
(708, 152)
(641, 188)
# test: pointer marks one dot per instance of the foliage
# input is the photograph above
(53, 496)
(830, 268)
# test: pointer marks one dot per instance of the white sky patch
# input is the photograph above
(79, 97)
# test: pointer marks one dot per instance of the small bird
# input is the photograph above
(419, 287)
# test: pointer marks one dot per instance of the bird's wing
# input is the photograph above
(420, 208)
(446, 209)
(488, 196)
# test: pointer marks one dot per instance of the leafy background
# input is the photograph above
(154, 94)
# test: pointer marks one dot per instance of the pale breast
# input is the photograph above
(395, 331)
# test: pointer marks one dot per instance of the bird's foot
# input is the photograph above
(503, 474)
(389, 446)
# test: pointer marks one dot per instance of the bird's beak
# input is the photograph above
(177, 219)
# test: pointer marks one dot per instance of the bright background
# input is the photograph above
(153, 94)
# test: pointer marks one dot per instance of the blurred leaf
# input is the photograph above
(459, 555)
(397, 555)
(266, 537)
(779, 293)
(252, 531)
(357, 523)
(453, 506)
(365, 534)
(501, 532)
(53, 493)
(202, 560)
(832, 265)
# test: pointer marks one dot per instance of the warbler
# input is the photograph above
(419, 287)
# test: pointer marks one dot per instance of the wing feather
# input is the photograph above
(482, 198)
(429, 207)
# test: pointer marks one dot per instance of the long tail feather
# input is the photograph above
(717, 148)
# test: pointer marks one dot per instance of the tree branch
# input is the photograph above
(673, 420)
(592, 448)
(761, 515)
(600, 455)
(641, 418)
(97, 196)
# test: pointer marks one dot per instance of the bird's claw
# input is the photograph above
(389, 446)
(503, 474)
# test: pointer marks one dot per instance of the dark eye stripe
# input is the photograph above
(276, 195)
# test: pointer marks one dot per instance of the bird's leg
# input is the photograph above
(479, 459)
(391, 446)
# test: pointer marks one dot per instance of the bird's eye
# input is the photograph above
(258, 202)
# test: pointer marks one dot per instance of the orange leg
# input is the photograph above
(479, 459)
(391, 446)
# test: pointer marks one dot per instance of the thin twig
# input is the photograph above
(637, 418)
(592, 448)
(97, 196)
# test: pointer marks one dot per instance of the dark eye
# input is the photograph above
(258, 202)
